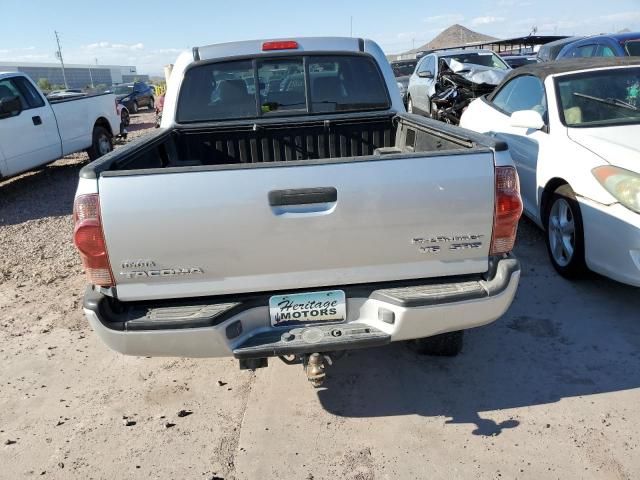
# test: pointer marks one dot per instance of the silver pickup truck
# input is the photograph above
(290, 207)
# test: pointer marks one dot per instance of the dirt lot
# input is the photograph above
(549, 391)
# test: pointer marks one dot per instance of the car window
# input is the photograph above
(431, 64)
(632, 48)
(8, 89)
(600, 98)
(486, 59)
(522, 93)
(28, 91)
(346, 83)
(425, 64)
(277, 92)
(325, 83)
(606, 51)
(585, 51)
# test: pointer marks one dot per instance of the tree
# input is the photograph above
(44, 84)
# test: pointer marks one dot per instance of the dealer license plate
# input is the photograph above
(308, 308)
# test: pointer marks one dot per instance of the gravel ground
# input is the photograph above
(549, 391)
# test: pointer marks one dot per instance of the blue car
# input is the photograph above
(616, 45)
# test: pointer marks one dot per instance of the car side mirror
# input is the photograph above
(10, 106)
(529, 119)
(425, 74)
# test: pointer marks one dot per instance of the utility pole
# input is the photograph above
(59, 55)
(351, 27)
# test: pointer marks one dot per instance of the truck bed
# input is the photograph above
(278, 141)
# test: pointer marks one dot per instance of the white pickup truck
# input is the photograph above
(35, 131)
(290, 207)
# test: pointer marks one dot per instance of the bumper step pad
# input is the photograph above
(310, 339)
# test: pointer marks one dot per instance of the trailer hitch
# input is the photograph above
(315, 366)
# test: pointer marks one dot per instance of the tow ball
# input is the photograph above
(315, 366)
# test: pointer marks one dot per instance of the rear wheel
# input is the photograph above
(134, 107)
(444, 345)
(151, 104)
(102, 143)
(565, 234)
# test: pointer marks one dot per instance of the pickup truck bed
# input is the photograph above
(321, 139)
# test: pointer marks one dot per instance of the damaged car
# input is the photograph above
(445, 82)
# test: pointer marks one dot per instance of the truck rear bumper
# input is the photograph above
(376, 315)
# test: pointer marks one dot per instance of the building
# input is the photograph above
(78, 76)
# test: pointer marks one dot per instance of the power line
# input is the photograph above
(59, 55)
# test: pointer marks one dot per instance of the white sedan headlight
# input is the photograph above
(623, 184)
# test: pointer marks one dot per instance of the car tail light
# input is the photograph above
(280, 45)
(88, 238)
(507, 212)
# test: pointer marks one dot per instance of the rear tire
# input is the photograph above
(134, 107)
(151, 104)
(102, 143)
(565, 234)
(444, 345)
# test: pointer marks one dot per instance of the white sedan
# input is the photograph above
(573, 130)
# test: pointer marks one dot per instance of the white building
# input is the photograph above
(78, 76)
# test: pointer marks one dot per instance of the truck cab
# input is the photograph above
(35, 131)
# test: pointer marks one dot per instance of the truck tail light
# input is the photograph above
(507, 211)
(280, 45)
(88, 238)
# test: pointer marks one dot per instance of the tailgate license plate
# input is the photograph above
(308, 308)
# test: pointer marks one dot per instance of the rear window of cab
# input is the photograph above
(287, 85)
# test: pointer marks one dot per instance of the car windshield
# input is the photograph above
(403, 69)
(123, 89)
(486, 59)
(632, 47)
(289, 85)
(600, 98)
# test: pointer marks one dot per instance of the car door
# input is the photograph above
(30, 138)
(525, 92)
(420, 95)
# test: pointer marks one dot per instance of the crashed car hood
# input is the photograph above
(478, 74)
(619, 145)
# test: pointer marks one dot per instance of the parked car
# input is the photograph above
(35, 131)
(456, 77)
(573, 129)
(134, 95)
(294, 221)
(549, 51)
(617, 45)
(402, 69)
(516, 61)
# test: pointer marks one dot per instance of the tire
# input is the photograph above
(565, 234)
(134, 107)
(444, 345)
(125, 118)
(102, 143)
(410, 105)
(151, 105)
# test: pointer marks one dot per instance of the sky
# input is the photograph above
(151, 34)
